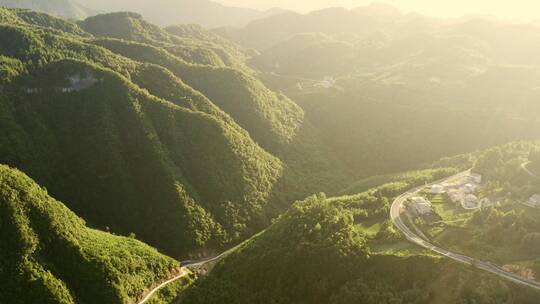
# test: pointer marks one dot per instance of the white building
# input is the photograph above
(326, 83)
(437, 189)
(535, 200)
(455, 196)
(420, 206)
(471, 201)
(475, 178)
(469, 189)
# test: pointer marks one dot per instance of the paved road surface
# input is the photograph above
(186, 265)
(395, 215)
(183, 273)
(524, 168)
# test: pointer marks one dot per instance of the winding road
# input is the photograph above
(532, 174)
(395, 215)
(186, 265)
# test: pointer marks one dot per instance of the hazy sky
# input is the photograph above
(512, 9)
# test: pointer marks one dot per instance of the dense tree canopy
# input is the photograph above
(48, 255)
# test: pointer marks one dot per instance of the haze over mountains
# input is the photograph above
(474, 80)
(65, 8)
(162, 12)
(297, 129)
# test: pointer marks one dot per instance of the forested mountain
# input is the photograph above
(318, 252)
(345, 250)
(384, 81)
(163, 12)
(534, 158)
(167, 12)
(192, 143)
(48, 255)
(130, 144)
(65, 8)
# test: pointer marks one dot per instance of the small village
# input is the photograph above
(463, 192)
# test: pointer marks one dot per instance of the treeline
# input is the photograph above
(510, 229)
(501, 168)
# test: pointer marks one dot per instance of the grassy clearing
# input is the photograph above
(370, 226)
(456, 233)
(399, 248)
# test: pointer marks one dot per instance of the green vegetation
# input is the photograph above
(160, 147)
(208, 13)
(272, 119)
(345, 250)
(65, 8)
(504, 231)
(391, 92)
(502, 172)
(314, 254)
(168, 136)
(534, 158)
(411, 178)
(168, 294)
(47, 254)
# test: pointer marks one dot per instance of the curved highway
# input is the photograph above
(395, 215)
(532, 174)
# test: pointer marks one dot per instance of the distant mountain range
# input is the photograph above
(65, 8)
(161, 12)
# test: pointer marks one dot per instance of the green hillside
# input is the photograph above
(208, 13)
(269, 117)
(389, 91)
(340, 251)
(190, 43)
(272, 119)
(178, 169)
(194, 35)
(131, 152)
(534, 158)
(150, 143)
(48, 255)
(64, 8)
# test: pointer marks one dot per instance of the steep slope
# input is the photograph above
(534, 158)
(332, 21)
(318, 253)
(166, 12)
(167, 170)
(272, 119)
(375, 82)
(48, 255)
(231, 54)
(132, 153)
(23, 16)
(64, 8)
(156, 146)
(309, 55)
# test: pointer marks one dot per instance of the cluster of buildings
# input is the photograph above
(419, 206)
(463, 191)
(534, 201)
